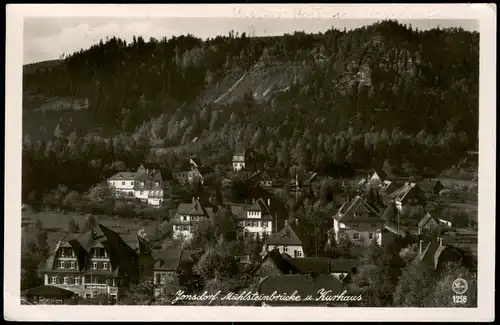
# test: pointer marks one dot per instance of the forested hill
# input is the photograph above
(381, 92)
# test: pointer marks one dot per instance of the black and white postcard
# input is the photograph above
(201, 162)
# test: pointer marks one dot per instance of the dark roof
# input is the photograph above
(381, 174)
(343, 265)
(194, 208)
(391, 186)
(239, 210)
(404, 190)
(48, 291)
(282, 263)
(286, 236)
(433, 251)
(318, 265)
(304, 284)
(358, 205)
(428, 218)
(168, 259)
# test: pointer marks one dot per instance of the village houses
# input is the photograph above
(190, 173)
(244, 159)
(187, 216)
(359, 222)
(409, 194)
(287, 240)
(146, 185)
(99, 261)
(254, 219)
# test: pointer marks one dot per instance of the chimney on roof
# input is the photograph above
(421, 244)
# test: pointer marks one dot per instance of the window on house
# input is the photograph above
(285, 249)
(299, 253)
(123, 183)
(184, 218)
(105, 266)
(370, 235)
(355, 225)
(355, 236)
(114, 282)
(54, 280)
(141, 192)
(158, 279)
(373, 225)
(72, 265)
(94, 265)
(65, 280)
(249, 224)
(132, 183)
(157, 183)
(61, 265)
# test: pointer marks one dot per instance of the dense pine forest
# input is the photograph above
(384, 94)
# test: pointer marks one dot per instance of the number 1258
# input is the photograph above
(459, 299)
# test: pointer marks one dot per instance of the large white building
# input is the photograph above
(358, 222)
(254, 220)
(144, 184)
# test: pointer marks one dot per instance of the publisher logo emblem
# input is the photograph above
(459, 286)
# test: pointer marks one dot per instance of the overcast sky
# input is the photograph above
(48, 37)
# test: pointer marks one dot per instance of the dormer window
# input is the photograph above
(105, 266)
(94, 265)
(157, 183)
(54, 280)
(61, 265)
(72, 265)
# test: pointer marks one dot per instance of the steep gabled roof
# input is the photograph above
(239, 210)
(428, 218)
(168, 259)
(393, 186)
(193, 208)
(285, 266)
(403, 191)
(286, 236)
(381, 174)
(357, 205)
